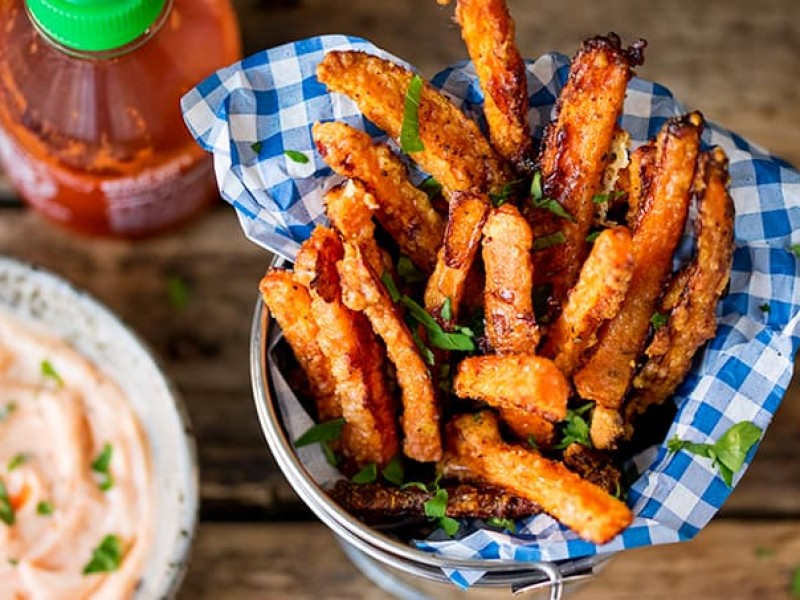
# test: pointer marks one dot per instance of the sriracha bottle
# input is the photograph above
(91, 133)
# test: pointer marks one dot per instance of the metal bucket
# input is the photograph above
(394, 565)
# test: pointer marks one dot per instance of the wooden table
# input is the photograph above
(737, 60)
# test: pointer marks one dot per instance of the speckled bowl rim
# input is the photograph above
(135, 349)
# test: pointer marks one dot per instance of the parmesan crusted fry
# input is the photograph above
(456, 153)
(607, 374)
(596, 297)
(461, 239)
(403, 210)
(510, 322)
(474, 446)
(348, 208)
(488, 32)
(517, 381)
(290, 305)
(607, 427)
(364, 292)
(529, 425)
(692, 321)
(575, 146)
(356, 359)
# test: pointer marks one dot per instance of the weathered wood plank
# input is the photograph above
(731, 559)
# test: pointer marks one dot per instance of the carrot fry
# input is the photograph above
(573, 160)
(528, 426)
(364, 292)
(455, 259)
(596, 297)
(356, 359)
(606, 376)
(518, 381)
(474, 446)
(404, 210)
(692, 321)
(455, 151)
(488, 32)
(510, 322)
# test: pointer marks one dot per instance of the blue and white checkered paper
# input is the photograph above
(250, 113)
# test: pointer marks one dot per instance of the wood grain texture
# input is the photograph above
(241, 562)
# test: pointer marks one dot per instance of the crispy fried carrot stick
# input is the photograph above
(456, 153)
(455, 259)
(692, 321)
(488, 32)
(640, 175)
(575, 146)
(290, 305)
(404, 210)
(510, 322)
(356, 359)
(474, 447)
(528, 425)
(607, 374)
(596, 297)
(363, 291)
(518, 381)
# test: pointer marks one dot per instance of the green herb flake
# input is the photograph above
(102, 466)
(728, 453)
(547, 241)
(49, 372)
(394, 472)
(554, 207)
(505, 524)
(322, 432)
(592, 237)
(426, 353)
(795, 248)
(446, 310)
(501, 197)
(331, 457)
(658, 320)
(436, 507)
(6, 509)
(367, 474)
(576, 428)
(407, 271)
(796, 582)
(764, 308)
(431, 187)
(256, 147)
(106, 558)
(409, 132)
(17, 461)
(178, 292)
(532, 443)
(415, 484)
(437, 337)
(536, 187)
(6, 411)
(762, 552)
(13, 561)
(44, 508)
(601, 198)
(296, 156)
(390, 285)
(449, 525)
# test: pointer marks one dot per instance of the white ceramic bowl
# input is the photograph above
(37, 297)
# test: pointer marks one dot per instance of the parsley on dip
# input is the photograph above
(76, 497)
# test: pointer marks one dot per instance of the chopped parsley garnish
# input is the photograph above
(296, 156)
(601, 198)
(506, 524)
(658, 320)
(6, 509)
(764, 308)
(407, 271)
(49, 372)
(534, 445)
(44, 508)
(536, 187)
(425, 352)
(17, 460)
(576, 428)
(178, 292)
(460, 339)
(106, 557)
(762, 552)
(539, 201)
(409, 132)
(394, 472)
(501, 197)
(431, 187)
(326, 431)
(547, 241)
(7, 410)
(331, 457)
(256, 147)
(367, 474)
(436, 508)
(13, 561)
(796, 582)
(446, 311)
(795, 248)
(728, 453)
(593, 236)
(101, 465)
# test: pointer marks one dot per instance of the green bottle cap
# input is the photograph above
(94, 25)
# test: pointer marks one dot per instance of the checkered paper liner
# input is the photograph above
(248, 114)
